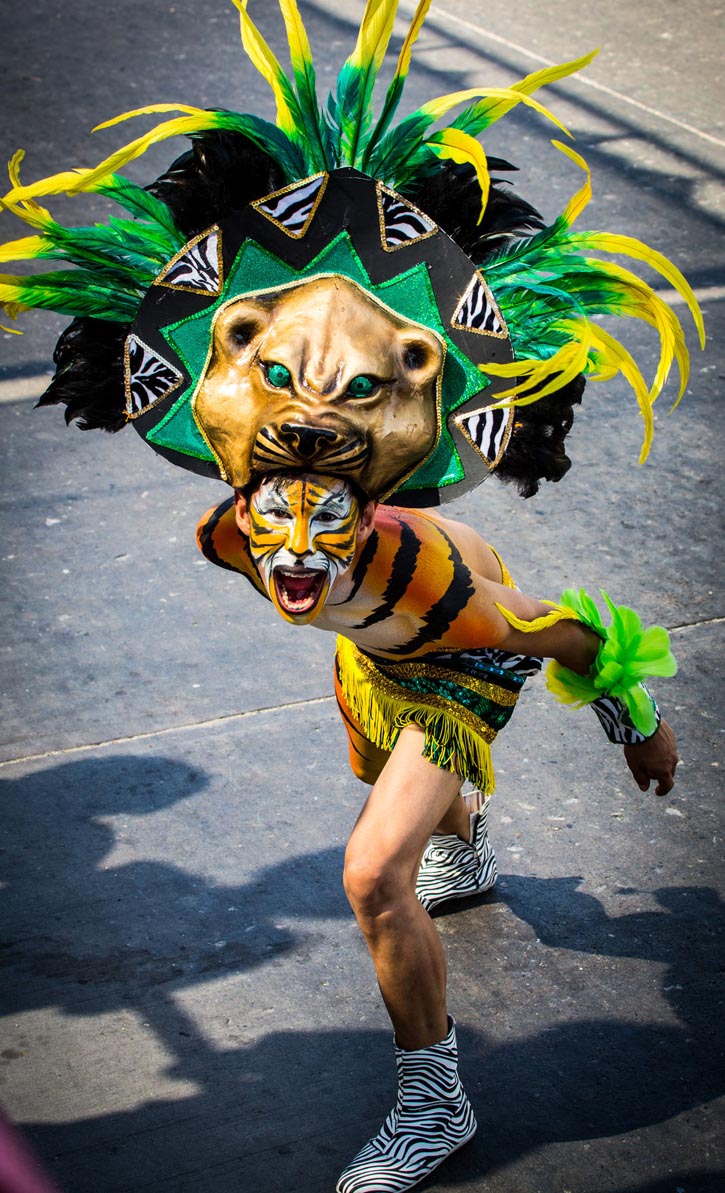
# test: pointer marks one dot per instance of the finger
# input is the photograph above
(665, 784)
(641, 778)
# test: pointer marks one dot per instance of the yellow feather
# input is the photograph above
(182, 126)
(616, 354)
(149, 110)
(14, 167)
(24, 249)
(640, 300)
(10, 293)
(262, 57)
(461, 147)
(437, 108)
(578, 202)
(552, 74)
(411, 37)
(374, 34)
(610, 242)
(299, 44)
(568, 362)
(55, 184)
(558, 613)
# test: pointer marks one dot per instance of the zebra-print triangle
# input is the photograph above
(478, 312)
(149, 377)
(400, 223)
(488, 431)
(293, 209)
(198, 267)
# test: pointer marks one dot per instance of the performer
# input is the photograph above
(437, 645)
(350, 322)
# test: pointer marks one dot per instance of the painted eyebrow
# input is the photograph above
(265, 501)
(340, 497)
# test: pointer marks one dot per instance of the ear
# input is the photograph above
(367, 521)
(241, 512)
(421, 355)
(238, 327)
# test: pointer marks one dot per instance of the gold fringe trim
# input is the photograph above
(382, 709)
(560, 613)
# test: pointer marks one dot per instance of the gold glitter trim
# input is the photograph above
(423, 670)
(132, 413)
(393, 248)
(215, 230)
(381, 684)
(460, 420)
(481, 331)
(258, 204)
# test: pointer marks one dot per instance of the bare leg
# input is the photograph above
(383, 857)
(456, 819)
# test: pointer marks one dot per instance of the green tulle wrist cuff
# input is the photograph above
(629, 654)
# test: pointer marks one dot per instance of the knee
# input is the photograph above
(374, 887)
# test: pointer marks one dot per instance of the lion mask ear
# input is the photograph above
(422, 356)
(237, 330)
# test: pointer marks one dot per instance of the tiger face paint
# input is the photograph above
(302, 536)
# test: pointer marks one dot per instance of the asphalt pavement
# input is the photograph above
(186, 1001)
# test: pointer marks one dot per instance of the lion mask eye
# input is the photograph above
(362, 386)
(278, 375)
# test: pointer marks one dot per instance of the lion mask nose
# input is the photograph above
(341, 452)
(308, 442)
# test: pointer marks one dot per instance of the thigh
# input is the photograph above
(366, 759)
(407, 802)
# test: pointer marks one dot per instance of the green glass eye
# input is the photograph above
(278, 375)
(362, 386)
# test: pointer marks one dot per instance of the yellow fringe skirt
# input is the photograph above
(459, 699)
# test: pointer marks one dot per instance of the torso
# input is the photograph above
(417, 585)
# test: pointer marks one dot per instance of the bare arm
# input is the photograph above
(575, 646)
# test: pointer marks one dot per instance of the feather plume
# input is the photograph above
(395, 90)
(261, 56)
(305, 82)
(352, 109)
(482, 115)
(461, 148)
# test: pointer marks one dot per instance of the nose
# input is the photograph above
(300, 544)
(307, 442)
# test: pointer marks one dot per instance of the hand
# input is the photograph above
(655, 758)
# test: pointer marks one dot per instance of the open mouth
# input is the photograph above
(298, 589)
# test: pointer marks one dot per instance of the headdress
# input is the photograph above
(484, 330)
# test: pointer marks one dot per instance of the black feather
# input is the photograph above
(221, 173)
(89, 374)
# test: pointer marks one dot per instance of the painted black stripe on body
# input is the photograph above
(206, 537)
(402, 572)
(366, 557)
(206, 542)
(444, 612)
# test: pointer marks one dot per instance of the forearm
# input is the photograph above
(571, 643)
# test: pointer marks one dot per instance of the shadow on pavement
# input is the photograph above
(92, 939)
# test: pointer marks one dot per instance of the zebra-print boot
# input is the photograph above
(432, 1118)
(452, 869)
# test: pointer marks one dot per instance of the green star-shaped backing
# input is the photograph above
(256, 270)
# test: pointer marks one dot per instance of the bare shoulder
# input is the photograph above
(474, 550)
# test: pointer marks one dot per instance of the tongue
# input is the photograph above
(299, 588)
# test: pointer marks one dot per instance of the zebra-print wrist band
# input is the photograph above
(616, 722)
